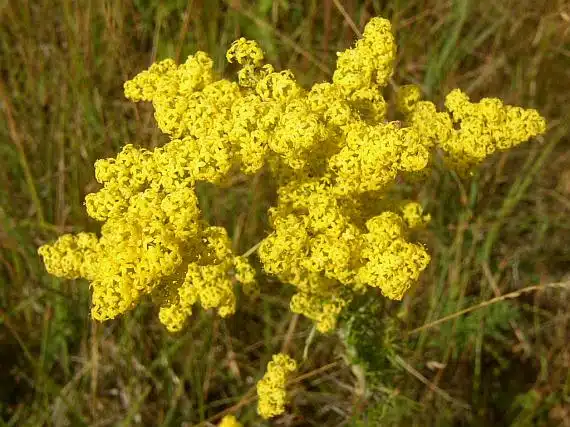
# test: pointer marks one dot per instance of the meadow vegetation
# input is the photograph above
(481, 340)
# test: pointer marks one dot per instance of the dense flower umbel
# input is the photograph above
(317, 248)
(271, 388)
(153, 242)
(330, 149)
(472, 131)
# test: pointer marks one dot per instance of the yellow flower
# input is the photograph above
(68, 256)
(271, 388)
(330, 151)
(370, 62)
(323, 311)
(473, 131)
(245, 52)
(156, 245)
(230, 421)
(485, 127)
(413, 215)
(389, 261)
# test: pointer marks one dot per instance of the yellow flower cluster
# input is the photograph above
(330, 149)
(271, 388)
(472, 131)
(230, 421)
(323, 241)
(317, 247)
(152, 242)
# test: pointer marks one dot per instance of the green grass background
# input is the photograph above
(504, 363)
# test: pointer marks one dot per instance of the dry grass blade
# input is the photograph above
(15, 136)
(511, 295)
(290, 332)
(442, 393)
(347, 18)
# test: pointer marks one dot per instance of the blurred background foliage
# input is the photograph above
(500, 358)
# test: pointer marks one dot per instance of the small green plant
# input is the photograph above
(334, 155)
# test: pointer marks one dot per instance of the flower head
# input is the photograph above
(271, 388)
